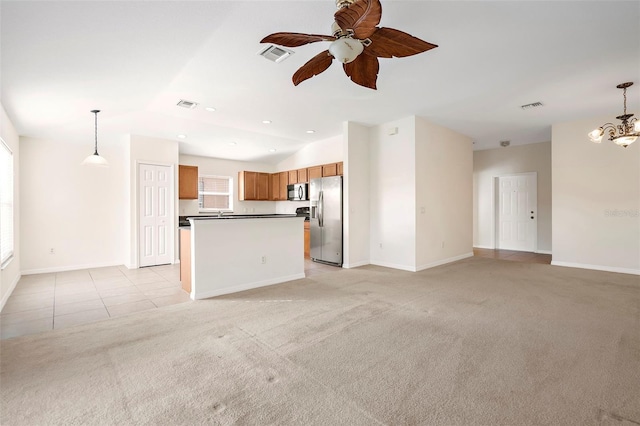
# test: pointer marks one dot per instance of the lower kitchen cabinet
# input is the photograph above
(307, 239)
(185, 259)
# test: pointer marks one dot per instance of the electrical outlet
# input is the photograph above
(380, 245)
(264, 259)
(52, 251)
(443, 244)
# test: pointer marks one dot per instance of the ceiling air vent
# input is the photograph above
(187, 104)
(275, 53)
(530, 106)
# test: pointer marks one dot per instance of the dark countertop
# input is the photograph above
(184, 220)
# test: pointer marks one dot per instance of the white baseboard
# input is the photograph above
(12, 287)
(444, 261)
(393, 265)
(69, 268)
(243, 287)
(355, 264)
(543, 251)
(597, 267)
(485, 247)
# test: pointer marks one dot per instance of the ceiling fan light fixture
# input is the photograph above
(596, 135)
(625, 133)
(95, 159)
(346, 49)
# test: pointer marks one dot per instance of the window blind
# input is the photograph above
(214, 193)
(6, 202)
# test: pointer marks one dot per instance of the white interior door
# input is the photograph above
(517, 212)
(156, 206)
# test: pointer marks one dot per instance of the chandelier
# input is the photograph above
(627, 131)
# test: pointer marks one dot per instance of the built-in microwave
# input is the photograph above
(297, 192)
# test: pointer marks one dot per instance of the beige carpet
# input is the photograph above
(480, 341)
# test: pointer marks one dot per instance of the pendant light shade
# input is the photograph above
(95, 159)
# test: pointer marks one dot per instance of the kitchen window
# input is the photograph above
(6, 203)
(215, 193)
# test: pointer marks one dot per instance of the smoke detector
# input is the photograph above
(532, 105)
(275, 53)
(187, 104)
(505, 144)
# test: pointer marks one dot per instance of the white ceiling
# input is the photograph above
(134, 60)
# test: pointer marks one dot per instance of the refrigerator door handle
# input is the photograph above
(321, 209)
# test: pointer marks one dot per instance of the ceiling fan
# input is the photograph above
(357, 42)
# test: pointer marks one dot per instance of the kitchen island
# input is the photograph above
(233, 253)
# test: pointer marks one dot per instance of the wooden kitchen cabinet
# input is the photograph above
(307, 239)
(340, 168)
(187, 182)
(302, 176)
(284, 181)
(253, 186)
(293, 177)
(274, 190)
(329, 169)
(185, 259)
(314, 172)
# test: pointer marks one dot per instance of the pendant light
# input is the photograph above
(95, 159)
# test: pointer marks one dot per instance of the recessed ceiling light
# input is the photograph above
(232, 143)
(181, 136)
(210, 109)
(311, 131)
(266, 121)
(272, 150)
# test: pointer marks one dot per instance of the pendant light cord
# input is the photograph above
(95, 113)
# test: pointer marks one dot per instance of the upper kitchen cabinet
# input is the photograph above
(274, 190)
(329, 169)
(302, 176)
(187, 182)
(284, 181)
(340, 168)
(314, 172)
(253, 186)
(293, 177)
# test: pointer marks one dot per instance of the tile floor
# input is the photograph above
(57, 300)
(44, 302)
(518, 256)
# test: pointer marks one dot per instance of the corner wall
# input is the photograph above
(10, 275)
(392, 196)
(356, 199)
(443, 214)
(491, 163)
(596, 200)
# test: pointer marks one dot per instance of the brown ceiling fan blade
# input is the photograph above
(361, 16)
(363, 71)
(295, 39)
(389, 42)
(314, 66)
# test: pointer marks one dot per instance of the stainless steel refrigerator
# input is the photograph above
(325, 218)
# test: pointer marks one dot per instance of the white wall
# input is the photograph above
(392, 196)
(219, 167)
(443, 191)
(78, 211)
(596, 200)
(10, 275)
(356, 195)
(491, 163)
(147, 150)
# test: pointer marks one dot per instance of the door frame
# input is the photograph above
(496, 208)
(172, 208)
